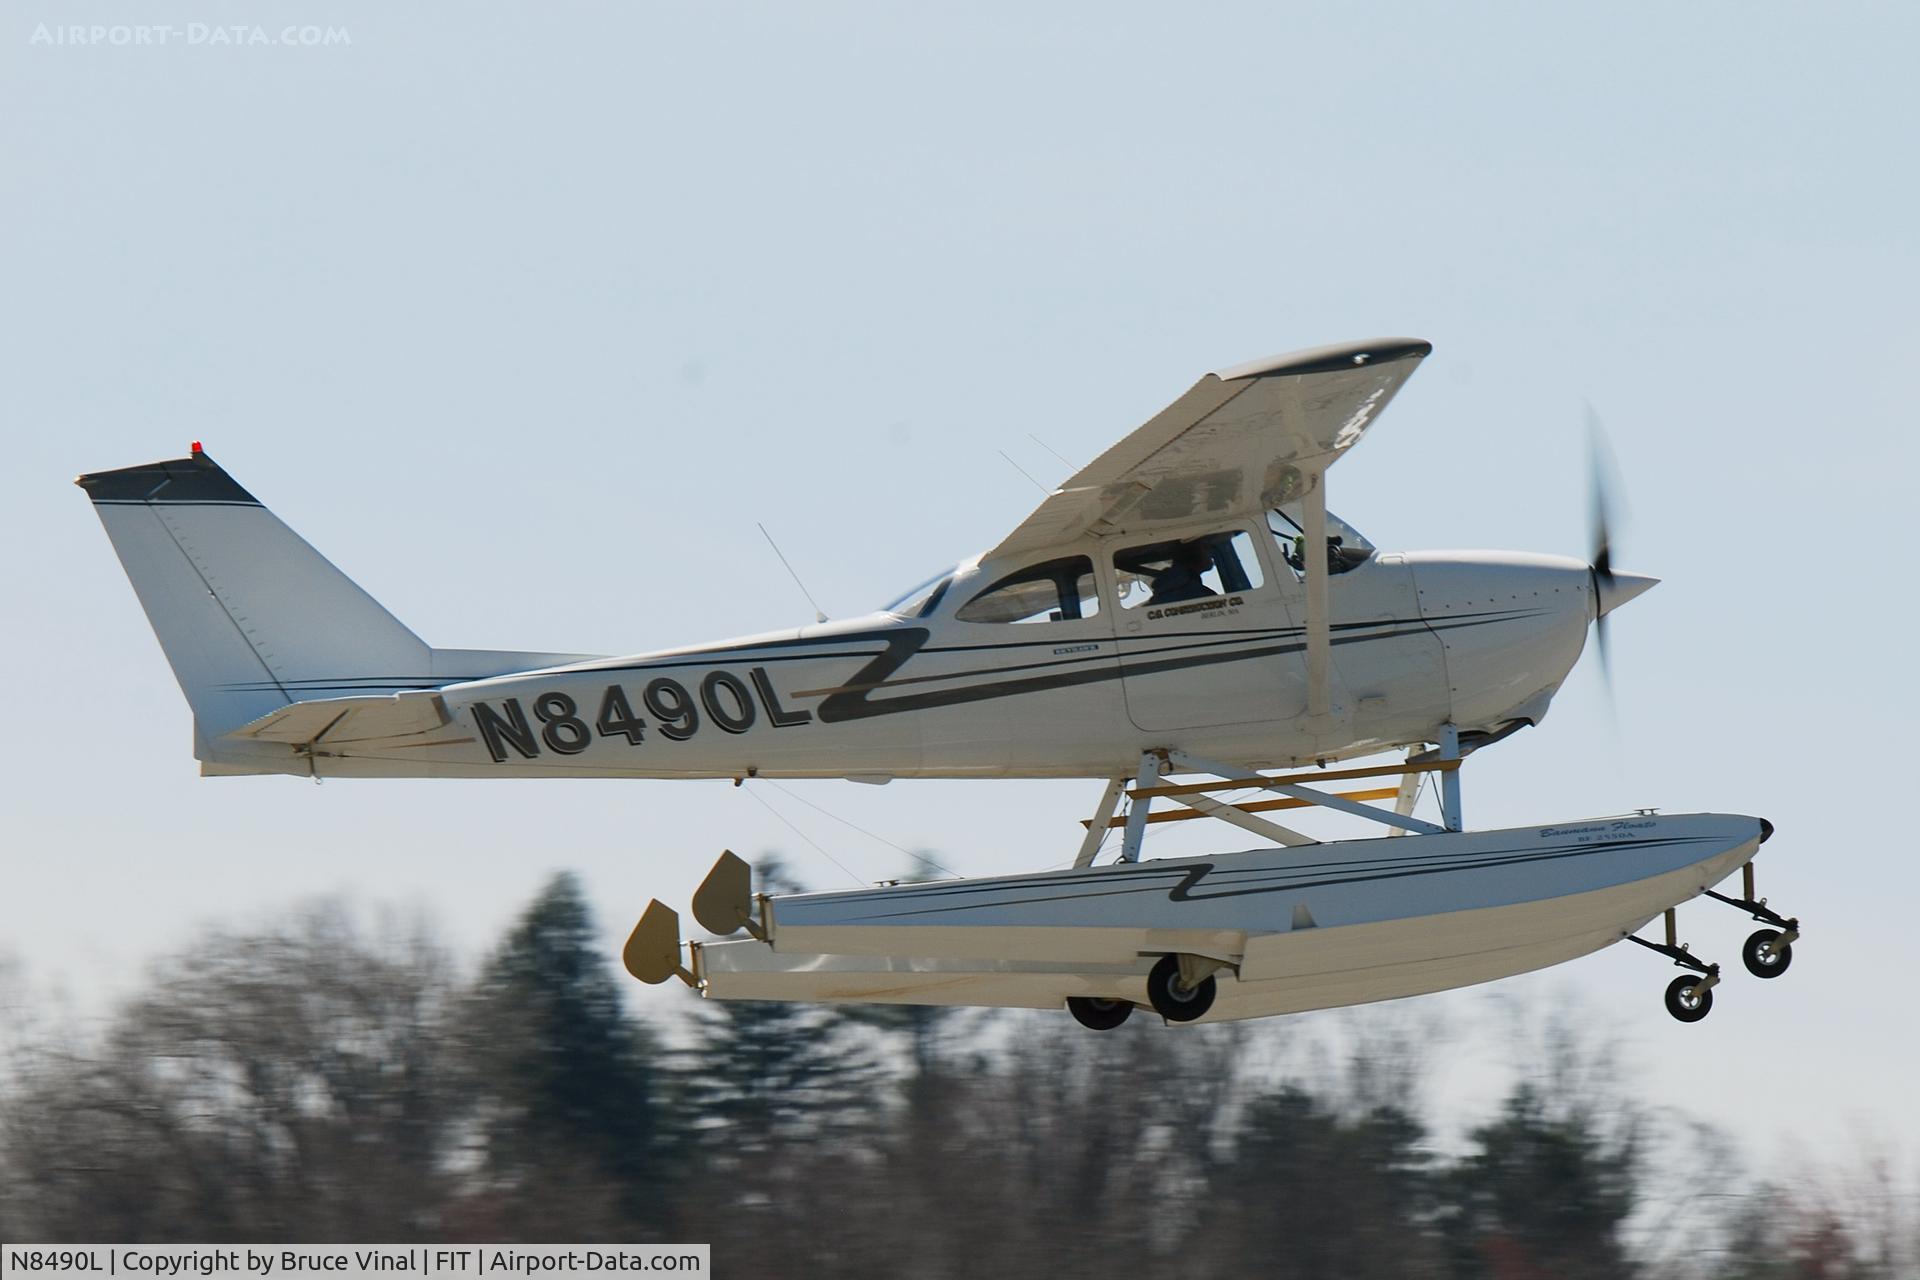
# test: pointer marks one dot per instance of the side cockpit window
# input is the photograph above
(1346, 549)
(1214, 564)
(1054, 591)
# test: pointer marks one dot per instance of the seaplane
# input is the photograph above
(1182, 619)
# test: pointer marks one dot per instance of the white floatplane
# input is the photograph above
(1184, 606)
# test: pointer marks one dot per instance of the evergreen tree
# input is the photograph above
(1311, 1192)
(575, 1109)
(1544, 1191)
(763, 1073)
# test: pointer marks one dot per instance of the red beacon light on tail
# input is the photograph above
(195, 447)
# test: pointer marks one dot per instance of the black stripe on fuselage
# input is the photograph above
(1172, 652)
(852, 702)
(1211, 633)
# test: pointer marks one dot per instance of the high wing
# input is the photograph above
(1239, 441)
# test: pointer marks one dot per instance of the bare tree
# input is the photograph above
(283, 1084)
(315, 1080)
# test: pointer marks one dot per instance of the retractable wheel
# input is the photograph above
(1099, 1015)
(1174, 1000)
(1686, 1004)
(1765, 955)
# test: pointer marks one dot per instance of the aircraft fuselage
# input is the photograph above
(1418, 640)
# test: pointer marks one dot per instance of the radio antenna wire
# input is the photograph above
(819, 614)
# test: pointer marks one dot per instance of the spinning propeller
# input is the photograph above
(1610, 589)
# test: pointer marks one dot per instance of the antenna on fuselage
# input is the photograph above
(819, 614)
(1022, 470)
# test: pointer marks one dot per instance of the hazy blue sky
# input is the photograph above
(525, 314)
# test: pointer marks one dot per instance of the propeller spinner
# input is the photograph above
(1611, 589)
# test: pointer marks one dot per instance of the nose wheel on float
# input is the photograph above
(1766, 953)
(1688, 998)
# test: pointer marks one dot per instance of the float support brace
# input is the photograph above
(1196, 764)
(1137, 816)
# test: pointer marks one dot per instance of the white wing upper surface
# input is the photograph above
(1241, 440)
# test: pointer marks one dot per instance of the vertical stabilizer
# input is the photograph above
(249, 615)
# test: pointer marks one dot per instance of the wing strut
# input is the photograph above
(1319, 635)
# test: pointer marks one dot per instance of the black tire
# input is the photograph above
(1099, 1015)
(1763, 958)
(1173, 1001)
(1683, 1008)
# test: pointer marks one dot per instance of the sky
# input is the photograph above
(525, 316)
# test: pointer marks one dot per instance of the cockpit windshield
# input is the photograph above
(922, 599)
(1347, 548)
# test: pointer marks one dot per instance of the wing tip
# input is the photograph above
(1330, 359)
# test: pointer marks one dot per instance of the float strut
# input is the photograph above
(1757, 907)
(1450, 780)
(1678, 953)
(1136, 832)
(1102, 814)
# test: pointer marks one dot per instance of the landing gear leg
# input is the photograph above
(1767, 952)
(1688, 998)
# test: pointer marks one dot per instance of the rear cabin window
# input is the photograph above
(1214, 564)
(1055, 591)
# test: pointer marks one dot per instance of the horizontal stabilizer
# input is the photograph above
(340, 720)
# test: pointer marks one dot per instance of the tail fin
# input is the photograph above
(250, 616)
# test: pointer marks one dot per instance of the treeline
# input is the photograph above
(320, 1082)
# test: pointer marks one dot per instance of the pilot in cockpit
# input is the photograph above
(1181, 580)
